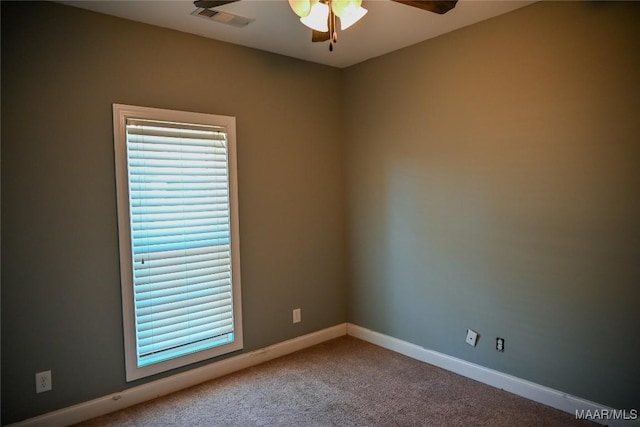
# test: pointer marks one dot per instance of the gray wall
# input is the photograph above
(62, 68)
(493, 182)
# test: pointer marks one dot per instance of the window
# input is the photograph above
(178, 231)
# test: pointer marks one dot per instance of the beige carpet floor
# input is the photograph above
(343, 382)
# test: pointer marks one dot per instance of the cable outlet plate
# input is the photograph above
(297, 316)
(43, 381)
(472, 337)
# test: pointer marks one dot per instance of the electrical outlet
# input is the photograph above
(297, 316)
(500, 344)
(43, 381)
(472, 337)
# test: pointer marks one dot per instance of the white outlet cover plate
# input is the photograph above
(472, 337)
(43, 381)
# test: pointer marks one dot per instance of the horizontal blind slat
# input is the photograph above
(180, 222)
(169, 171)
(171, 144)
(153, 357)
(189, 321)
(176, 297)
(176, 257)
(159, 281)
(167, 316)
(147, 124)
(184, 337)
(177, 209)
(143, 250)
(203, 202)
(143, 156)
(183, 288)
(176, 254)
(144, 308)
(179, 186)
(186, 164)
(172, 231)
(152, 219)
(177, 179)
(173, 193)
(174, 131)
(155, 268)
(185, 238)
(157, 147)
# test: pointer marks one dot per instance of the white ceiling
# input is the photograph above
(387, 27)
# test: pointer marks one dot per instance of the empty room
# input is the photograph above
(430, 199)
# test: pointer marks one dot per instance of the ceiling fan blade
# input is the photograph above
(435, 6)
(208, 4)
(319, 36)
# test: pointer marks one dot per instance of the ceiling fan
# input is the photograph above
(320, 15)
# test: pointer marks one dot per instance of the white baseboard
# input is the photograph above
(116, 401)
(527, 389)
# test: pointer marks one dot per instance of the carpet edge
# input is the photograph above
(142, 393)
(524, 388)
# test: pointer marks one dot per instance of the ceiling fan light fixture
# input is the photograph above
(302, 8)
(351, 15)
(338, 6)
(318, 17)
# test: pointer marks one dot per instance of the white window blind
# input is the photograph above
(180, 238)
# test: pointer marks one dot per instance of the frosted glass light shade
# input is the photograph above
(351, 14)
(301, 8)
(318, 18)
(338, 6)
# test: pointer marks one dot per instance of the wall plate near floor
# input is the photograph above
(500, 344)
(472, 337)
(43, 381)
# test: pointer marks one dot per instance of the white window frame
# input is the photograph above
(121, 113)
